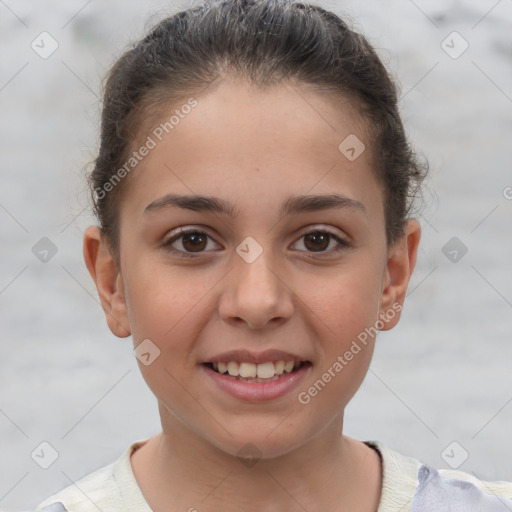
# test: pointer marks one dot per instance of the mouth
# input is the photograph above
(269, 371)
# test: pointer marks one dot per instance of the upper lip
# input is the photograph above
(246, 356)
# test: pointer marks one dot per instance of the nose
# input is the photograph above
(255, 294)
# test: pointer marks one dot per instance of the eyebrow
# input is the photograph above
(292, 205)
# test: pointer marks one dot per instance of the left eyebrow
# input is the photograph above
(293, 205)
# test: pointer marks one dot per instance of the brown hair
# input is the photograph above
(266, 42)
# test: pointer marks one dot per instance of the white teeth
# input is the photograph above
(279, 367)
(288, 366)
(233, 368)
(247, 370)
(266, 370)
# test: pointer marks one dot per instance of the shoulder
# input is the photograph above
(94, 489)
(111, 488)
(410, 485)
(443, 489)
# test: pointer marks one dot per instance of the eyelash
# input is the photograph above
(343, 245)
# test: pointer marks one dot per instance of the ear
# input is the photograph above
(399, 268)
(108, 279)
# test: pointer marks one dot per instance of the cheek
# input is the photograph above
(165, 308)
(162, 301)
(346, 301)
(346, 307)
(346, 344)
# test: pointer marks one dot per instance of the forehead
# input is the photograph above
(238, 140)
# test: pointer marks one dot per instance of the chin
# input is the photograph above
(251, 447)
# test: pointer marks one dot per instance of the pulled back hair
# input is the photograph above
(266, 42)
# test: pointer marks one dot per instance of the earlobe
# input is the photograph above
(400, 265)
(108, 280)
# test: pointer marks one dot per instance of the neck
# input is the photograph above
(330, 471)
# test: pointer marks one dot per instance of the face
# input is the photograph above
(286, 261)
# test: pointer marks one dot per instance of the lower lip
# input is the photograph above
(258, 391)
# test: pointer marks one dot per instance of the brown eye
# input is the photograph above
(318, 241)
(194, 241)
(188, 243)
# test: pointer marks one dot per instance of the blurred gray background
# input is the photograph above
(442, 376)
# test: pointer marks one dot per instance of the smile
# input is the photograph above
(251, 372)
